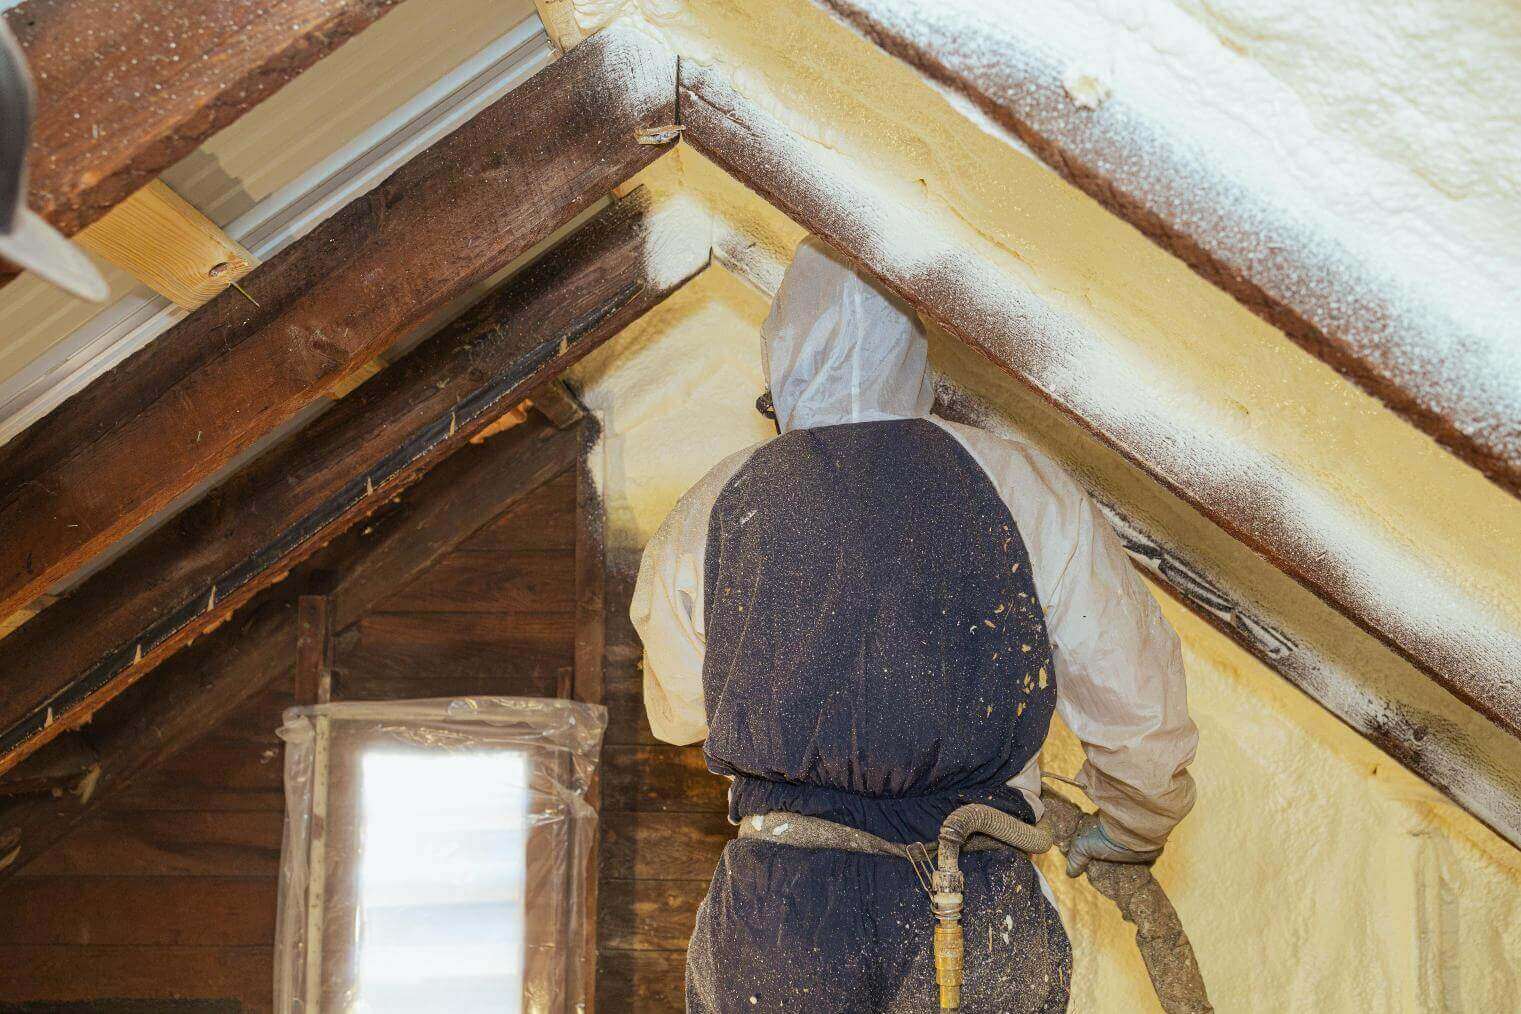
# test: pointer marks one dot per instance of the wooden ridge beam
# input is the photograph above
(1456, 385)
(189, 575)
(972, 300)
(170, 416)
(126, 89)
(196, 690)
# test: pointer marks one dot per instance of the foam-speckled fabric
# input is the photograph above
(873, 665)
(869, 662)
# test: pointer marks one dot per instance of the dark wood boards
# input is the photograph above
(664, 825)
(968, 297)
(650, 915)
(240, 975)
(623, 687)
(1432, 369)
(237, 766)
(200, 687)
(107, 911)
(170, 416)
(430, 654)
(125, 90)
(165, 843)
(670, 779)
(546, 521)
(471, 582)
(191, 573)
(642, 981)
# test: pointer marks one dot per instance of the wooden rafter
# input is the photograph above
(468, 206)
(192, 694)
(125, 90)
(1330, 307)
(965, 294)
(189, 575)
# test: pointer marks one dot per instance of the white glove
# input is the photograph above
(1095, 843)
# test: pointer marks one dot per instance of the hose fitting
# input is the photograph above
(945, 901)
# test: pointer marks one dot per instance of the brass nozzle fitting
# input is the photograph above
(948, 963)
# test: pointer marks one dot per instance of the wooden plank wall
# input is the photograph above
(170, 890)
(664, 823)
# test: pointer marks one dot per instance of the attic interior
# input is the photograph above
(422, 317)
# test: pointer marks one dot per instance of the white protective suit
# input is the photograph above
(838, 350)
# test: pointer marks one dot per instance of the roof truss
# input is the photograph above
(190, 575)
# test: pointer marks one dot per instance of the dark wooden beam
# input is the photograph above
(126, 89)
(196, 690)
(1322, 299)
(169, 417)
(314, 649)
(591, 569)
(969, 297)
(190, 574)
(558, 405)
(591, 649)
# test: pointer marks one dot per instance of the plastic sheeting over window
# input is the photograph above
(435, 855)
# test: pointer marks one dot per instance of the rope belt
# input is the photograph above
(936, 864)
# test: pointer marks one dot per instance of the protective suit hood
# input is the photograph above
(839, 349)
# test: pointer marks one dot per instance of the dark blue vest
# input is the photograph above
(876, 654)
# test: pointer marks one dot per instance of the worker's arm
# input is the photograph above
(1120, 685)
(667, 610)
(1118, 664)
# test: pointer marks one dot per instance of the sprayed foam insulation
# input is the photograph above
(1393, 273)
(1359, 679)
(1364, 888)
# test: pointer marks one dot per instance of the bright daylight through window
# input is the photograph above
(441, 881)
